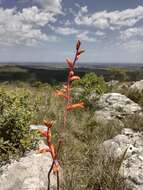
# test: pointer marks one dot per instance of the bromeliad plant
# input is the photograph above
(65, 93)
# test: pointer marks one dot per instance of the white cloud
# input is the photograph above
(131, 33)
(51, 5)
(109, 20)
(100, 33)
(66, 30)
(25, 26)
(133, 46)
(84, 36)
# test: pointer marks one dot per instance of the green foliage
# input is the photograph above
(118, 73)
(136, 96)
(16, 113)
(90, 83)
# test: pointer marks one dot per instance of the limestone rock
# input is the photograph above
(29, 173)
(132, 166)
(137, 86)
(112, 106)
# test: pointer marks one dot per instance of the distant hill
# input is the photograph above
(56, 72)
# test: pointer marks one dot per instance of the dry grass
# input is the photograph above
(85, 164)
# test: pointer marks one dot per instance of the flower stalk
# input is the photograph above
(65, 93)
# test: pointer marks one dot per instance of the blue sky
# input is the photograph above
(46, 30)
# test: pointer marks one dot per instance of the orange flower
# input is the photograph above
(75, 106)
(80, 52)
(48, 123)
(65, 87)
(74, 78)
(70, 63)
(71, 73)
(56, 166)
(63, 90)
(60, 93)
(78, 44)
(77, 57)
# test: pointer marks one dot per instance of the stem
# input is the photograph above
(58, 181)
(68, 92)
(49, 175)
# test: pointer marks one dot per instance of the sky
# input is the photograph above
(111, 31)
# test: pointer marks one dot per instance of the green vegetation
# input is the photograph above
(84, 161)
(136, 96)
(118, 73)
(16, 114)
(90, 83)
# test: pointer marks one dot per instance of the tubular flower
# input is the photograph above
(78, 45)
(74, 78)
(70, 63)
(56, 166)
(77, 57)
(71, 73)
(65, 87)
(63, 90)
(48, 123)
(80, 51)
(60, 93)
(75, 106)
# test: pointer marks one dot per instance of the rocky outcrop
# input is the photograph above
(115, 106)
(132, 166)
(29, 173)
(137, 86)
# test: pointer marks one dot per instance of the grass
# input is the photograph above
(84, 161)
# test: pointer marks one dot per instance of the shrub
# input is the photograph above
(89, 84)
(136, 96)
(16, 113)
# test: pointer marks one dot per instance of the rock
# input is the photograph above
(93, 97)
(137, 86)
(112, 83)
(35, 127)
(29, 173)
(115, 106)
(132, 165)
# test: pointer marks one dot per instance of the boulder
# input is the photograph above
(137, 86)
(115, 106)
(28, 173)
(130, 143)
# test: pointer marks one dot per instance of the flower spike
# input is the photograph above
(60, 93)
(48, 123)
(74, 78)
(70, 63)
(75, 106)
(78, 45)
(80, 52)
